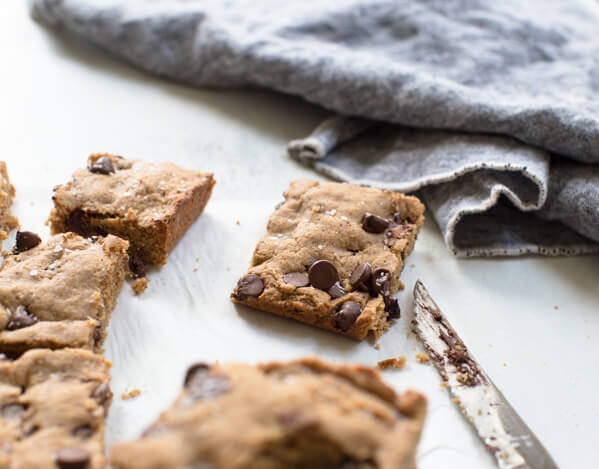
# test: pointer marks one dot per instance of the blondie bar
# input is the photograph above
(149, 204)
(59, 293)
(332, 256)
(305, 413)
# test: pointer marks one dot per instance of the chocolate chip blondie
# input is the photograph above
(7, 193)
(59, 293)
(53, 406)
(149, 204)
(332, 256)
(305, 413)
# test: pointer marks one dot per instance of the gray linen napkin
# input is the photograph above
(489, 109)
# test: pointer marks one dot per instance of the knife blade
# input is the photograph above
(499, 426)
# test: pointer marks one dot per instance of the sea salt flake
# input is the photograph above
(34, 272)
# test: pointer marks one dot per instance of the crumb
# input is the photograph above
(412, 266)
(377, 346)
(395, 363)
(196, 269)
(139, 285)
(131, 394)
(556, 307)
(237, 223)
(444, 384)
(197, 259)
(504, 364)
(479, 412)
(421, 357)
(455, 400)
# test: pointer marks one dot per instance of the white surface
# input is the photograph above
(62, 100)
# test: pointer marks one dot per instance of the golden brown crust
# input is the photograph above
(303, 413)
(151, 205)
(324, 222)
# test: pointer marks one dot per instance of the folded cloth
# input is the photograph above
(489, 109)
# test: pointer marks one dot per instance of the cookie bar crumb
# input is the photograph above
(131, 394)
(139, 285)
(394, 363)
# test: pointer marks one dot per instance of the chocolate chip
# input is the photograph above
(373, 223)
(380, 282)
(250, 285)
(346, 315)
(360, 277)
(12, 411)
(72, 458)
(202, 384)
(297, 279)
(97, 336)
(102, 165)
(102, 393)
(391, 307)
(137, 266)
(193, 369)
(20, 319)
(26, 240)
(336, 291)
(397, 218)
(323, 274)
(83, 432)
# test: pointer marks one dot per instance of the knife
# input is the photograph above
(498, 425)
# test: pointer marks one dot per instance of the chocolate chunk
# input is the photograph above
(297, 279)
(83, 432)
(397, 218)
(336, 291)
(250, 285)
(102, 165)
(346, 315)
(323, 274)
(26, 240)
(12, 411)
(20, 319)
(193, 369)
(391, 307)
(380, 282)
(97, 335)
(72, 458)
(137, 266)
(360, 277)
(202, 384)
(373, 223)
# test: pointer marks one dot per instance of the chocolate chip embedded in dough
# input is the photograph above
(391, 307)
(84, 432)
(102, 165)
(250, 285)
(347, 314)
(137, 266)
(323, 274)
(73, 458)
(360, 277)
(193, 370)
(397, 218)
(202, 384)
(12, 411)
(373, 223)
(336, 291)
(26, 240)
(20, 319)
(297, 279)
(380, 282)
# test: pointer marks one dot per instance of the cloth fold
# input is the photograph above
(488, 109)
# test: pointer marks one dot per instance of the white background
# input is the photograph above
(61, 100)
